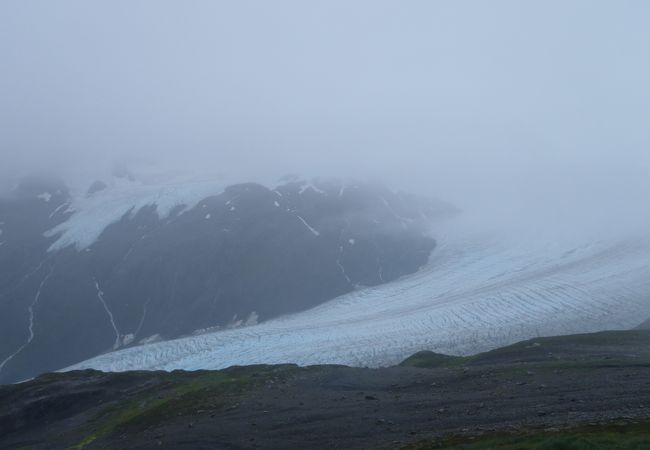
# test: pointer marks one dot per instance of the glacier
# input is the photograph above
(479, 291)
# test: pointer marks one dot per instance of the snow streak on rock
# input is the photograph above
(313, 231)
(30, 326)
(338, 263)
(392, 211)
(59, 208)
(144, 315)
(475, 294)
(100, 296)
(312, 186)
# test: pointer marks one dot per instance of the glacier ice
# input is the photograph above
(478, 292)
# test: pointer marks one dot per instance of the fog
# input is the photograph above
(519, 109)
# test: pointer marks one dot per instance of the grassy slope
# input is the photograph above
(582, 349)
(161, 397)
(182, 394)
(430, 360)
(214, 389)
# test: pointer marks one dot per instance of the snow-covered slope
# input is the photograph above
(92, 214)
(478, 292)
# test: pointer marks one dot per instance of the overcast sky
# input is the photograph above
(523, 101)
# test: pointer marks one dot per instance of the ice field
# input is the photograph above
(479, 291)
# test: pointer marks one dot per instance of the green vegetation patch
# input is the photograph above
(577, 346)
(580, 350)
(430, 360)
(180, 394)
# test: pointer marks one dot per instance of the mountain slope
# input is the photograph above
(135, 263)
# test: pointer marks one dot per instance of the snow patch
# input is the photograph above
(252, 319)
(45, 196)
(93, 214)
(127, 339)
(151, 339)
(312, 186)
(234, 322)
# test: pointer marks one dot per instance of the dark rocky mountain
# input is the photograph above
(243, 255)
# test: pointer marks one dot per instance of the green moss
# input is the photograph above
(180, 393)
(114, 417)
(430, 360)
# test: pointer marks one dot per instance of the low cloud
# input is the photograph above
(515, 111)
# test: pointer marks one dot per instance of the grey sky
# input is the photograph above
(524, 101)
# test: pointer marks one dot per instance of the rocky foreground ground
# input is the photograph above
(583, 391)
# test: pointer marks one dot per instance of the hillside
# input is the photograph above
(544, 386)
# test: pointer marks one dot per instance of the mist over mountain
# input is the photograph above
(512, 110)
